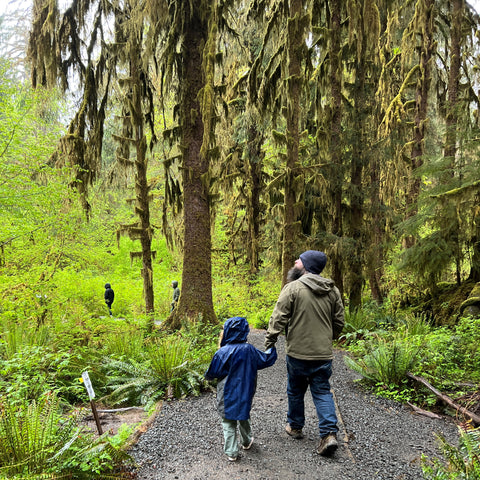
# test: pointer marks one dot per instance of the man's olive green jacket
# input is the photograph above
(311, 312)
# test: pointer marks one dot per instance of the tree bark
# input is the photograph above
(196, 302)
(292, 189)
(142, 207)
(375, 260)
(475, 242)
(421, 110)
(450, 150)
(356, 187)
(253, 180)
(335, 75)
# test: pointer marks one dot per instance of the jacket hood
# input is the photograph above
(235, 330)
(174, 284)
(107, 285)
(318, 284)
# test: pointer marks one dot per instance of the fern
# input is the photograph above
(387, 362)
(133, 383)
(174, 365)
(37, 441)
(462, 462)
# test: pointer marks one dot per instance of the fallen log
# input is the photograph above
(125, 409)
(445, 398)
(421, 411)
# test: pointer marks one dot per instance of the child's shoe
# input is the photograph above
(247, 447)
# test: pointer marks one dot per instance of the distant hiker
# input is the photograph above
(310, 310)
(235, 364)
(109, 296)
(176, 295)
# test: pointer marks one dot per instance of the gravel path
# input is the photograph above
(378, 439)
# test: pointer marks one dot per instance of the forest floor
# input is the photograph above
(378, 438)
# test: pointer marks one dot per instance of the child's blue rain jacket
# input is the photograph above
(236, 364)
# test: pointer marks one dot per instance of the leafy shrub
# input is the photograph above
(15, 335)
(132, 383)
(453, 355)
(36, 369)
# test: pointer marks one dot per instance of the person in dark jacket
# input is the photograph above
(236, 364)
(310, 310)
(176, 295)
(109, 297)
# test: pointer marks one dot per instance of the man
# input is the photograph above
(310, 310)
(176, 295)
(109, 297)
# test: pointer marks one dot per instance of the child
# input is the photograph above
(235, 364)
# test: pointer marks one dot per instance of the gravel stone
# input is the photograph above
(378, 439)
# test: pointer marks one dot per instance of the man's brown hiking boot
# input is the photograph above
(327, 445)
(293, 432)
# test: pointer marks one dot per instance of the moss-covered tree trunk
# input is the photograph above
(356, 192)
(293, 182)
(450, 150)
(375, 258)
(254, 189)
(336, 144)
(142, 202)
(196, 302)
(426, 51)
(475, 241)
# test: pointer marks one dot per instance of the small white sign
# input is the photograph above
(88, 385)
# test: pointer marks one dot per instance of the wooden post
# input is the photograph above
(95, 415)
(91, 395)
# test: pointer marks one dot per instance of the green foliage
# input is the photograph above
(444, 356)
(124, 342)
(37, 439)
(36, 369)
(173, 365)
(387, 360)
(360, 323)
(453, 355)
(461, 462)
(132, 383)
(236, 293)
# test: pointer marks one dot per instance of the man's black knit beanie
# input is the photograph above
(313, 261)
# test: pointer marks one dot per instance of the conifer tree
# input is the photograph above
(287, 26)
(181, 41)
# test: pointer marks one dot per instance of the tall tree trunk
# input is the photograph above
(356, 188)
(294, 47)
(134, 133)
(376, 257)
(253, 179)
(475, 241)
(450, 150)
(142, 207)
(196, 302)
(336, 143)
(421, 108)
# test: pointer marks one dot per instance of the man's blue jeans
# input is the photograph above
(316, 374)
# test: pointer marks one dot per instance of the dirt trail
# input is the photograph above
(378, 439)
